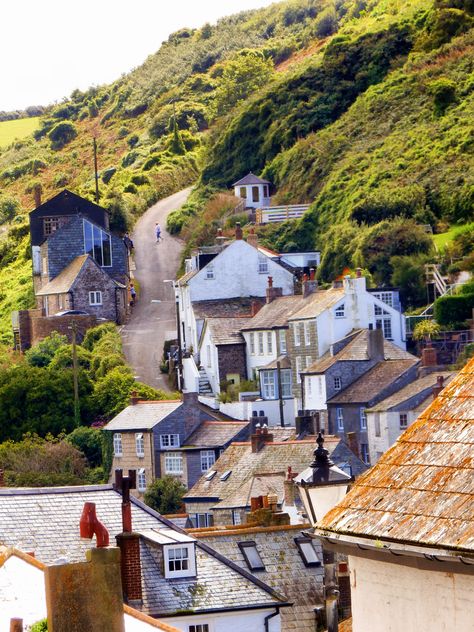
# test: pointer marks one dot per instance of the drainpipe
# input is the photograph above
(268, 617)
(280, 395)
(115, 305)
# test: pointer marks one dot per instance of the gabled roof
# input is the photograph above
(425, 383)
(214, 434)
(67, 277)
(250, 178)
(421, 491)
(275, 315)
(226, 331)
(317, 303)
(225, 308)
(367, 387)
(284, 361)
(357, 350)
(46, 521)
(143, 415)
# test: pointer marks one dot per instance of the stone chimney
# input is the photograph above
(220, 239)
(353, 443)
(252, 238)
(438, 387)
(191, 412)
(134, 399)
(238, 231)
(264, 512)
(375, 344)
(260, 437)
(429, 357)
(310, 284)
(255, 307)
(358, 272)
(129, 542)
(273, 292)
(289, 488)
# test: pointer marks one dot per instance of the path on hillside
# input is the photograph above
(151, 323)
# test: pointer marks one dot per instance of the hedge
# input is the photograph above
(453, 309)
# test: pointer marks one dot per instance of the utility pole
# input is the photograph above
(96, 173)
(77, 413)
(280, 395)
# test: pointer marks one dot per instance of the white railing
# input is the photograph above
(190, 375)
(433, 276)
(270, 214)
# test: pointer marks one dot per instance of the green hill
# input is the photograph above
(361, 107)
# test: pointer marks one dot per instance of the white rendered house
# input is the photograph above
(253, 190)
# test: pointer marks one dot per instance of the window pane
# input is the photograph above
(88, 239)
(282, 341)
(106, 249)
(285, 375)
(98, 246)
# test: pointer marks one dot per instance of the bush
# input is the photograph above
(9, 208)
(89, 442)
(41, 354)
(165, 495)
(444, 94)
(62, 134)
(453, 311)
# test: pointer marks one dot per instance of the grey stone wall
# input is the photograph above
(303, 350)
(348, 372)
(90, 279)
(231, 359)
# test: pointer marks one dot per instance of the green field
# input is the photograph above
(14, 130)
(442, 239)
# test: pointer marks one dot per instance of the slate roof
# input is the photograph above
(273, 459)
(250, 178)
(226, 331)
(367, 387)
(283, 360)
(46, 521)
(356, 350)
(143, 415)
(417, 387)
(421, 491)
(214, 434)
(284, 570)
(225, 308)
(65, 279)
(275, 315)
(317, 302)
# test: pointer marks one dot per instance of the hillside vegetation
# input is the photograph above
(360, 107)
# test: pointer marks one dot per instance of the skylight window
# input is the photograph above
(210, 475)
(251, 555)
(307, 551)
(226, 475)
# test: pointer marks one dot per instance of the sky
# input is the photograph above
(49, 48)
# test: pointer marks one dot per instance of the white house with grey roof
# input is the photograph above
(254, 191)
(183, 580)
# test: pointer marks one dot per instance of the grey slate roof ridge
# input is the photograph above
(31, 491)
(211, 551)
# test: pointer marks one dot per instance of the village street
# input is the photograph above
(151, 323)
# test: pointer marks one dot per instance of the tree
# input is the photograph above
(409, 276)
(62, 134)
(176, 145)
(42, 354)
(89, 442)
(9, 208)
(165, 495)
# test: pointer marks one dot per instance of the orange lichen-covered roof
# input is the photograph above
(422, 490)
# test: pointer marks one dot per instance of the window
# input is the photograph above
(95, 298)
(298, 364)
(285, 376)
(260, 343)
(236, 517)
(140, 444)
(50, 225)
(307, 551)
(385, 297)
(363, 419)
(340, 418)
(209, 355)
(268, 384)
(307, 333)
(339, 312)
(118, 444)
(199, 627)
(383, 321)
(208, 458)
(179, 561)
(252, 344)
(282, 338)
(243, 192)
(403, 417)
(201, 520)
(364, 451)
(173, 463)
(269, 342)
(262, 264)
(251, 555)
(309, 383)
(255, 194)
(209, 271)
(223, 477)
(377, 424)
(296, 331)
(141, 480)
(308, 361)
(97, 244)
(169, 441)
(337, 383)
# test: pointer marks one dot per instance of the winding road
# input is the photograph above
(153, 319)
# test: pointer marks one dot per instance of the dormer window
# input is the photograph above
(180, 560)
(339, 312)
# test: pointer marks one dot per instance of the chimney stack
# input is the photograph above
(273, 292)
(375, 344)
(238, 231)
(438, 387)
(358, 272)
(252, 238)
(429, 357)
(310, 284)
(37, 195)
(134, 399)
(129, 542)
(353, 443)
(191, 412)
(255, 307)
(260, 437)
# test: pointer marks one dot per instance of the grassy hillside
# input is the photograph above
(17, 129)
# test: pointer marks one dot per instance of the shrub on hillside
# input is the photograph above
(62, 134)
(444, 94)
(42, 353)
(9, 208)
(453, 311)
(89, 442)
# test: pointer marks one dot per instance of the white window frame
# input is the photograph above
(267, 382)
(297, 334)
(286, 383)
(170, 558)
(95, 297)
(337, 383)
(261, 349)
(141, 479)
(252, 343)
(199, 627)
(298, 368)
(364, 453)
(308, 361)
(118, 446)
(140, 444)
(307, 333)
(309, 385)
(282, 340)
(262, 264)
(236, 517)
(169, 441)
(208, 458)
(209, 272)
(173, 463)
(269, 342)
(340, 311)
(403, 422)
(363, 418)
(209, 355)
(340, 418)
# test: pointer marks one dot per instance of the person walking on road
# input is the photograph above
(158, 232)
